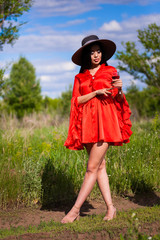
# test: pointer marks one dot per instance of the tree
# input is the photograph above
(143, 103)
(1, 80)
(51, 105)
(143, 65)
(22, 91)
(10, 10)
(66, 101)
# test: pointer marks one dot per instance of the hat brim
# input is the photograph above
(109, 48)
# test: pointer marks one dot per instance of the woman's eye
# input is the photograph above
(98, 51)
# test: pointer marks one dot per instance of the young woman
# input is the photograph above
(99, 117)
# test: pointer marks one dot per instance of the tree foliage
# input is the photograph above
(22, 91)
(1, 80)
(10, 10)
(51, 105)
(143, 103)
(65, 103)
(143, 64)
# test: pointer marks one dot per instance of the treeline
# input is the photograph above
(21, 91)
(145, 103)
(21, 95)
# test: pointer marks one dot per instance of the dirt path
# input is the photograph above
(28, 216)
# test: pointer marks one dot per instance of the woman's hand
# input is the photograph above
(87, 97)
(117, 83)
(104, 91)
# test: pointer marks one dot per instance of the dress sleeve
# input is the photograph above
(74, 139)
(124, 113)
(76, 88)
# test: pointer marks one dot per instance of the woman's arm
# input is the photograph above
(87, 97)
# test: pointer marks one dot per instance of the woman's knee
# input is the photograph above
(102, 165)
(96, 158)
(92, 167)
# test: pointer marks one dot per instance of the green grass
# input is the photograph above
(133, 221)
(35, 167)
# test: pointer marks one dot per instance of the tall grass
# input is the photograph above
(35, 167)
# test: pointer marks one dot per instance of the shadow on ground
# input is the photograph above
(59, 194)
(146, 199)
(58, 190)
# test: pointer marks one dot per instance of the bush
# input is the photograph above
(143, 103)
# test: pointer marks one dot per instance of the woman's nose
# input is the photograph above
(95, 54)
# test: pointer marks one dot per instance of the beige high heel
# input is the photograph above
(110, 217)
(65, 220)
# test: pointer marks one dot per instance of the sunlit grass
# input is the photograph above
(35, 167)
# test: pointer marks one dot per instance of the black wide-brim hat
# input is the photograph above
(108, 47)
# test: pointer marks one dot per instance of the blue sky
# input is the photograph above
(55, 28)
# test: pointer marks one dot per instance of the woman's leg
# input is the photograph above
(103, 183)
(96, 156)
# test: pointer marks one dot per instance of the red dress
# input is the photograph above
(101, 118)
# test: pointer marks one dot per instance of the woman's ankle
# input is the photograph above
(109, 206)
(76, 208)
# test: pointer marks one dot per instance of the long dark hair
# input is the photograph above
(86, 57)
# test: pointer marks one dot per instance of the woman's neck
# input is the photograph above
(94, 69)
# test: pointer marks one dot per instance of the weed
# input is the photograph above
(35, 167)
(95, 224)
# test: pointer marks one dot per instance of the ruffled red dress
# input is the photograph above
(101, 119)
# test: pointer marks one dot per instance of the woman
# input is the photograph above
(99, 117)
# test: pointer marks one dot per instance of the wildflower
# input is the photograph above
(133, 215)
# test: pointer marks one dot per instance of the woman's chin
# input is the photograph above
(95, 64)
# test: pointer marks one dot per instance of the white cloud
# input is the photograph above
(54, 84)
(62, 42)
(135, 23)
(62, 79)
(146, 2)
(58, 42)
(62, 7)
(52, 68)
(51, 94)
(71, 23)
(131, 24)
(74, 7)
(41, 30)
(54, 77)
(56, 72)
(112, 26)
(46, 78)
(129, 28)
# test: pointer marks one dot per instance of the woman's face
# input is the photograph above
(96, 55)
